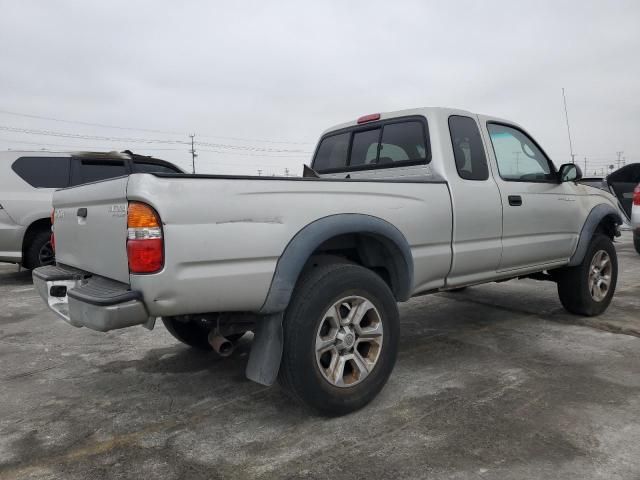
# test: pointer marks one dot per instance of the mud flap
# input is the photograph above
(266, 351)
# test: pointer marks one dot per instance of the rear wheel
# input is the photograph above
(341, 333)
(39, 251)
(587, 289)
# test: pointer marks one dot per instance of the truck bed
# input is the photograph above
(223, 235)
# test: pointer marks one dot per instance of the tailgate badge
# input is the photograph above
(118, 210)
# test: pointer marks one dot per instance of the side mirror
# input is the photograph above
(569, 172)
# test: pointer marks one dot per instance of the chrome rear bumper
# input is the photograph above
(85, 300)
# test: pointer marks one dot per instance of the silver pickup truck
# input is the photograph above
(404, 203)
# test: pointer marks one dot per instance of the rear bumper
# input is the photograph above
(85, 300)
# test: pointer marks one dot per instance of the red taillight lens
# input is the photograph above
(636, 196)
(145, 245)
(145, 256)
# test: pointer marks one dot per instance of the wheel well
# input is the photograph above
(37, 226)
(607, 226)
(369, 250)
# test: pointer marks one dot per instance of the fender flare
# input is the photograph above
(303, 244)
(596, 215)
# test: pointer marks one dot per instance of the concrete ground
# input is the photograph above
(493, 382)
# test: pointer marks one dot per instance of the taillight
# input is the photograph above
(53, 235)
(636, 195)
(145, 247)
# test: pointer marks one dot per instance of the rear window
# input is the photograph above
(140, 167)
(43, 172)
(382, 145)
(364, 149)
(94, 170)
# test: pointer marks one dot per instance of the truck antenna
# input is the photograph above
(566, 116)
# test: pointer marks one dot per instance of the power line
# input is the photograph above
(33, 131)
(149, 130)
(88, 124)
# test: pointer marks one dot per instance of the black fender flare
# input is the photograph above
(303, 244)
(596, 215)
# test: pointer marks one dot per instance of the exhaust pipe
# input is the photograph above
(222, 346)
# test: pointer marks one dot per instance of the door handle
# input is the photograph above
(82, 212)
(515, 200)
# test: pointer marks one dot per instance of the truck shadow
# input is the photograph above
(9, 274)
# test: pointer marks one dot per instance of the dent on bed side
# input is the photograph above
(308, 239)
(596, 215)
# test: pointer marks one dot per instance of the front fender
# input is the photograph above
(596, 215)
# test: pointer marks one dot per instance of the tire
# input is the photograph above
(636, 241)
(574, 289)
(304, 374)
(189, 333)
(38, 251)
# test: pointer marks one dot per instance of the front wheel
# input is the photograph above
(341, 333)
(587, 289)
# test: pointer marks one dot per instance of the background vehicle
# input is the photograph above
(406, 203)
(27, 182)
(635, 218)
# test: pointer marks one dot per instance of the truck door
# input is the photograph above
(541, 217)
(477, 218)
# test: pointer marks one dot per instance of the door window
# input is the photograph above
(518, 156)
(468, 149)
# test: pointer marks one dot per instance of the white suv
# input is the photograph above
(27, 183)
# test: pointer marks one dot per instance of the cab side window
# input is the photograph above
(468, 150)
(518, 156)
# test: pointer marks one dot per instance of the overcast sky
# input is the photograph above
(237, 72)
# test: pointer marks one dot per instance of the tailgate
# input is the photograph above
(91, 228)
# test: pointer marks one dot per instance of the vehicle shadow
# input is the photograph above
(13, 275)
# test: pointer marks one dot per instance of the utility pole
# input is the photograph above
(193, 153)
(585, 165)
(619, 155)
(259, 172)
(566, 116)
(286, 172)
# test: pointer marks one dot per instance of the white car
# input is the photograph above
(405, 203)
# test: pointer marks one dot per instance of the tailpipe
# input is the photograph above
(222, 346)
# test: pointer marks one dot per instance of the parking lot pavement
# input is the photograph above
(496, 381)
